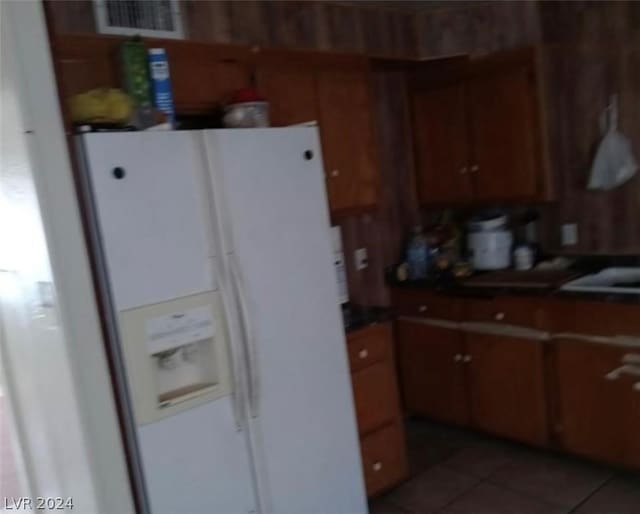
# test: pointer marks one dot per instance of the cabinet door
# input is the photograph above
(203, 75)
(345, 115)
(290, 89)
(432, 371)
(504, 127)
(375, 396)
(506, 384)
(597, 417)
(441, 144)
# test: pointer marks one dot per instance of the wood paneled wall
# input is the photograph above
(477, 28)
(592, 50)
(374, 30)
(296, 23)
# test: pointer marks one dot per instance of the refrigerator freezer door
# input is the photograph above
(197, 463)
(151, 209)
(307, 452)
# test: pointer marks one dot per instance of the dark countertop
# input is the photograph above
(358, 316)
(457, 289)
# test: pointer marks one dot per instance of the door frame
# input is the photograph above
(99, 456)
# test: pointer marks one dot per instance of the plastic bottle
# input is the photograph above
(418, 255)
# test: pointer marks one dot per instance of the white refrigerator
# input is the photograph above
(214, 261)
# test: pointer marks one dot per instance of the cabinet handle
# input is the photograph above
(334, 173)
(422, 308)
(466, 358)
(463, 170)
(363, 354)
(636, 386)
(475, 168)
(498, 316)
(457, 357)
(628, 369)
(377, 466)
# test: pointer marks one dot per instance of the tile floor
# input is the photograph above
(460, 472)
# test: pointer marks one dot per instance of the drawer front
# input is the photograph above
(523, 312)
(368, 346)
(375, 396)
(426, 305)
(595, 318)
(384, 459)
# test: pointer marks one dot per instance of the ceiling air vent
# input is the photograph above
(152, 18)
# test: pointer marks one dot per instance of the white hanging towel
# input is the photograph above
(614, 162)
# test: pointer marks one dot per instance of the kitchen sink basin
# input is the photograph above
(609, 280)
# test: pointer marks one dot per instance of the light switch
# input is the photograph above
(360, 258)
(569, 234)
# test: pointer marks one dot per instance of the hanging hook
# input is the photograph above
(609, 116)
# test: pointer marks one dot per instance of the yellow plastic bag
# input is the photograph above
(101, 106)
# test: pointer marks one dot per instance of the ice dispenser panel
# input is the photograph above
(176, 355)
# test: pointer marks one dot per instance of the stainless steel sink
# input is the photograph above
(609, 280)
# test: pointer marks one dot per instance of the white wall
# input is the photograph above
(53, 364)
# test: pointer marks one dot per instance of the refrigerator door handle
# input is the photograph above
(237, 355)
(251, 352)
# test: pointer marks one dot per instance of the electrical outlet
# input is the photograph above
(569, 234)
(360, 259)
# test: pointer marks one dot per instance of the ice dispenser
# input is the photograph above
(176, 354)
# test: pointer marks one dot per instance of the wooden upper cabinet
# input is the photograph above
(503, 127)
(290, 88)
(478, 130)
(442, 144)
(333, 90)
(202, 75)
(85, 62)
(301, 86)
(346, 128)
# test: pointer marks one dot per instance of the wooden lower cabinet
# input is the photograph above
(506, 386)
(489, 374)
(377, 405)
(383, 465)
(432, 371)
(493, 383)
(597, 417)
(375, 395)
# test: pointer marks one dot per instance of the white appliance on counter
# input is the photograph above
(214, 259)
(489, 242)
